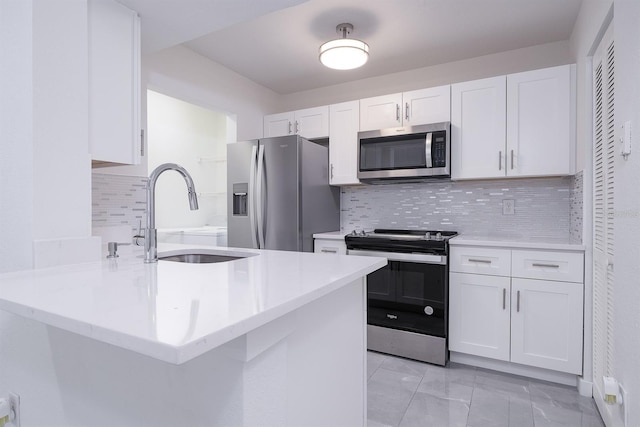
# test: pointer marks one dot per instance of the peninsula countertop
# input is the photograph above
(176, 311)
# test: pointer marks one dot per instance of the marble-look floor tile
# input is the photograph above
(561, 396)
(489, 408)
(592, 421)
(437, 384)
(374, 360)
(407, 366)
(506, 384)
(546, 415)
(454, 373)
(428, 410)
(389, 394)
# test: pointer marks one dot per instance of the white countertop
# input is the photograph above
(331, 235)
(519, 242)
(174, 311)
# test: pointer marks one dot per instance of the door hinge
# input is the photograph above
(142, 142)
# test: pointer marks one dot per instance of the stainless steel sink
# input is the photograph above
(198, 258)
(203, 256)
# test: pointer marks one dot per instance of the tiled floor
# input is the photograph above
(405, 393)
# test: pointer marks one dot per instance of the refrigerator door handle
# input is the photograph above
(261, 200)
(252, 197)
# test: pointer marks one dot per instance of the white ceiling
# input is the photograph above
(275, 42)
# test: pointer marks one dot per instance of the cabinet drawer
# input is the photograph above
(328, 246)
(495, 262)
(548, 265)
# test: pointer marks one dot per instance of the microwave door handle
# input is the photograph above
(427, 150)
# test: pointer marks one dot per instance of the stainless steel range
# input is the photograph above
(407, 299)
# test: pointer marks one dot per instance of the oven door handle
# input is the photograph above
(400, 256)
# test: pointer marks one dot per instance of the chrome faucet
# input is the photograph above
(150, 235)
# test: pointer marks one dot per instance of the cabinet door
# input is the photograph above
(343, 143)
(478, 118)
(381, 112)
(539, 120)
(426, 106)
(280, 124)
(546, 324)
(114, 83)
(479, 315)
(312, 122)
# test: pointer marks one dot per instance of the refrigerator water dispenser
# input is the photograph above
(240, 201)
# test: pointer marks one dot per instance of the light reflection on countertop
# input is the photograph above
(176, 311)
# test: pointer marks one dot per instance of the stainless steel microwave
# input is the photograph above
(410, 153)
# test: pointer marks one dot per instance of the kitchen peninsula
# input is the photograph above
(273, 338)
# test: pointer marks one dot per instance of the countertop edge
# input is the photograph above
(517, 244)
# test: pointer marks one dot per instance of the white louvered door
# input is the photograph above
(603, 209)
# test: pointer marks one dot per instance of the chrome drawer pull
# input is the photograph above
(504, 298)
(535, 264)
(483, 261)
(329, 250)
(518, 302)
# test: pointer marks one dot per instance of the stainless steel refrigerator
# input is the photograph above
(279, 193)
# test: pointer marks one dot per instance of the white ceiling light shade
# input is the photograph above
(344, 53)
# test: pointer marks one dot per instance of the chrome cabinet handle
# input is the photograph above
(504, 298)
(398, 112)
(499, 160)
(518, 302)
(511, 159)
(289, 128)
(483, 261)
(297, 129)
(406, 110)
(331, 171)
(329, 250)
(535, 264)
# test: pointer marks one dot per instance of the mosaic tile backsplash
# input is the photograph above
(118, 200)
(543, 207)
(576, 208)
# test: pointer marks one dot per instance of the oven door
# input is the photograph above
(409, 293)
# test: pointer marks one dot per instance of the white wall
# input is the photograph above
(196, 139)
(627, 205)
(530, 58)
(184, 74)
(587, 32)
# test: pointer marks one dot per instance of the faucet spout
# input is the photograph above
(150, 237)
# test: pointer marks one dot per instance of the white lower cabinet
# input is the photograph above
(329, 246)
(479, 315)
(529, 319)
(546, 324)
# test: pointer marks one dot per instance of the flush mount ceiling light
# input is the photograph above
(344, 53)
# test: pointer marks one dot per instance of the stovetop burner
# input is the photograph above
(400, 240)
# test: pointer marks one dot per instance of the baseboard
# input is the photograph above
(515, 369)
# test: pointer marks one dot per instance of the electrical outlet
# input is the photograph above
(508, 207)
(14, 405)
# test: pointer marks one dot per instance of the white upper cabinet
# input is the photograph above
(426, 106)
(514, 126)
(343, 143)
(114, 83)
(478, 122)
(381, 112)
(539, 123)
(406, 109)
(279, 124)
(309, 123)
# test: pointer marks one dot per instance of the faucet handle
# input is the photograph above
(138, 238)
